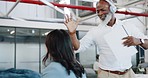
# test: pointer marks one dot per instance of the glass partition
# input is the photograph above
(7, 47)
(24, 48)
(27, 48)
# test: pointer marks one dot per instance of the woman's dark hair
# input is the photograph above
(59, 47)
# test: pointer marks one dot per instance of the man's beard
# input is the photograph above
(107, 19)
(102, 17)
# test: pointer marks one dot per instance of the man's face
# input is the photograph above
(102, 9)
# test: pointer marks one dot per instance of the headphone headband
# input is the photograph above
(112, 6)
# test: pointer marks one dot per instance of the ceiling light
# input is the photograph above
(46, 33)
(33, 31)
(8, 30)
(43, 34)
(12, 32)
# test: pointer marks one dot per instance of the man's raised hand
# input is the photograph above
(71, 24)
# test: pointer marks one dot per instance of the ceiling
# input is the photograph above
(85, 15)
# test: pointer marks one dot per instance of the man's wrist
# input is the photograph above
(71, 33)
(142, 41)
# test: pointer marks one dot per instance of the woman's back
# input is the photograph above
(56, 70)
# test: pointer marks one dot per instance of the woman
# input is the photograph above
(60, 50)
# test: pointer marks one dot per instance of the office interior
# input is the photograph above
(24, 25)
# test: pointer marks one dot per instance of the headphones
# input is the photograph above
(113, 8)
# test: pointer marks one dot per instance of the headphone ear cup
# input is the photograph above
(112, 6)
(112, 9)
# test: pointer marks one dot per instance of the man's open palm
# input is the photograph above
(71, 24)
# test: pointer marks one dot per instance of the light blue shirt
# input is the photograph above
(56, 70)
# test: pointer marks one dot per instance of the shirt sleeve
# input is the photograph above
(86, 42)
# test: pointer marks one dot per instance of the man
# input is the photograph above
(109, 65)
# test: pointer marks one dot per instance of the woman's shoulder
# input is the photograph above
(54, 67)
(56, 70)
